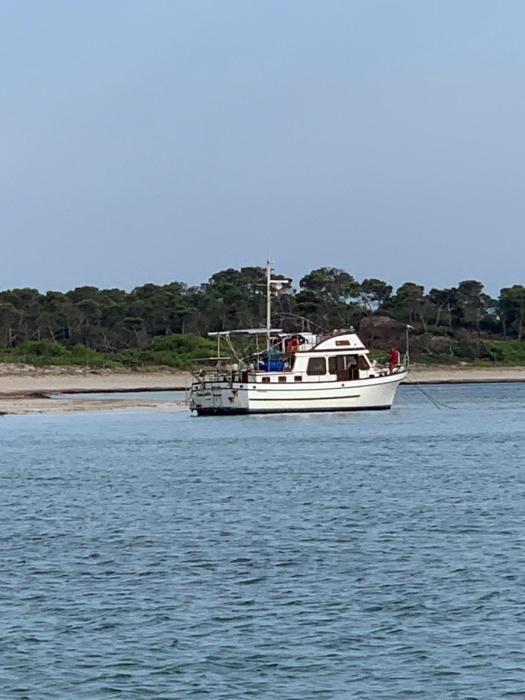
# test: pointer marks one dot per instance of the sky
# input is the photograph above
(160, 140)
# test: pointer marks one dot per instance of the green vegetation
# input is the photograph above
(505, 352)
(168, 324)
(179, 352)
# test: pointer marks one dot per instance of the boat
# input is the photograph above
(296, 372)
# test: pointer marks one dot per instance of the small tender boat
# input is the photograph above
(298, 372)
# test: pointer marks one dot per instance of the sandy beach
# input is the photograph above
(26, 403)
(464, 374)
(26, 389)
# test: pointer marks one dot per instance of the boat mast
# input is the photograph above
(278, 285)
(268, 306)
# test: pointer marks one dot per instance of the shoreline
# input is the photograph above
(25, 390)
(464, 374)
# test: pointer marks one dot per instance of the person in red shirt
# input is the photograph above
(292, 345)
(395, 358)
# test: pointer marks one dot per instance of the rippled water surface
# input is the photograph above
(372, 555)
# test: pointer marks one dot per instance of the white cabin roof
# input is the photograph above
(341, 342)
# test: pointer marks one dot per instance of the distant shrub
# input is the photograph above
(42, 348)
(178, 350)
(510, 352)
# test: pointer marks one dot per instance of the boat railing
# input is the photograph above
(213, 376)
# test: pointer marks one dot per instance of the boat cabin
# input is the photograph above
(306, 357)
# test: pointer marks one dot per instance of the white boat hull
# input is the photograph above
(227, 398)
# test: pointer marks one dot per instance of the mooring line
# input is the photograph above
(437, 404)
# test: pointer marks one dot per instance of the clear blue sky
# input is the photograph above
(153, 140)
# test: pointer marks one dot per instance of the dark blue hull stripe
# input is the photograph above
(246, 411)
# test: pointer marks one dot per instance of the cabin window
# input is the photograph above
(316, 366)
(266, 380)
(362, 362)
(340, 363)
(282, 379)
(336, 364)
(298, 378)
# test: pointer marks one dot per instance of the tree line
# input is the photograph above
(457, 322)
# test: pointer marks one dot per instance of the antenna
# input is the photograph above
(408, 328)
(271, 285)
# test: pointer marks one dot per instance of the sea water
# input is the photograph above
(362, 555)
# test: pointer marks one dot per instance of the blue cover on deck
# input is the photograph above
(272, 364)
